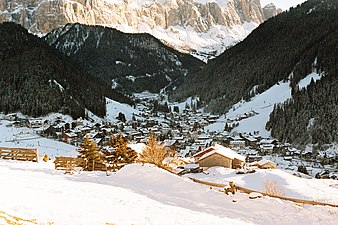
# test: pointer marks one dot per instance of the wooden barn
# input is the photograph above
(219, 155)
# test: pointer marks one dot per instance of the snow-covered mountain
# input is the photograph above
(208, 26)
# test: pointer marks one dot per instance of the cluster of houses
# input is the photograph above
(182, 132)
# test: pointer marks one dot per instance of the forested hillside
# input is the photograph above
(127, 62)
(268, 55)
(311, 115)
(36, 79)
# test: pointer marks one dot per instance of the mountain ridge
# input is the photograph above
(187, 25)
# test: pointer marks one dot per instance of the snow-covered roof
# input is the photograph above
(265, 161)
(267, 141)
(251, 139)
(224, 151)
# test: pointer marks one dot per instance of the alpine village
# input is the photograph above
(169, 112)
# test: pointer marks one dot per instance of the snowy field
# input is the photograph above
(24, 137)
(137, 195)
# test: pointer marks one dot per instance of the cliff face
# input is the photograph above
(270, 10)
(169, 20)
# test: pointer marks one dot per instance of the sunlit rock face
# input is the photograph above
(184, 24)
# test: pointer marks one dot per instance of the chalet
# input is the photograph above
(268, 142)
(69, 137)
(237, 143)
(11, 117)
(253, 158)
(290, 151)
(219, 155)
(251, 155)
(85, 130)
(266, 148)
(266, 164)
(179, 139)
(15, 123)
(37, 123)
(250, 141)
(50, 132)
(203, 137)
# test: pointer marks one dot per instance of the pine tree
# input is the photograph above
(90, 152)
(154, 152)
(122, 153)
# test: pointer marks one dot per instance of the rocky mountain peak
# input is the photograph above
(270, 10)
(188, 25)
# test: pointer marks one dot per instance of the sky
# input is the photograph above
(283, 4)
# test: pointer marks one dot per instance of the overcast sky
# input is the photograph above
(283, 4)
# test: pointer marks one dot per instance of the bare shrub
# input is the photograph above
(271, 187)
(154, 152)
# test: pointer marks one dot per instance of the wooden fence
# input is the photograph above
(70, 163)
(248, 191)
(24, 154)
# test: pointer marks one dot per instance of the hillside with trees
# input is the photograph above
(36, 79)
(311, 115)
(128, 62)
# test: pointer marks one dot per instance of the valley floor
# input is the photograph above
(138, 194)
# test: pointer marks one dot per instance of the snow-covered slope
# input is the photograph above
(207, 26)
(257, 110)
(24, 137)
(136, 195)
(114, 108)
(260, 106)
(303, 83)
